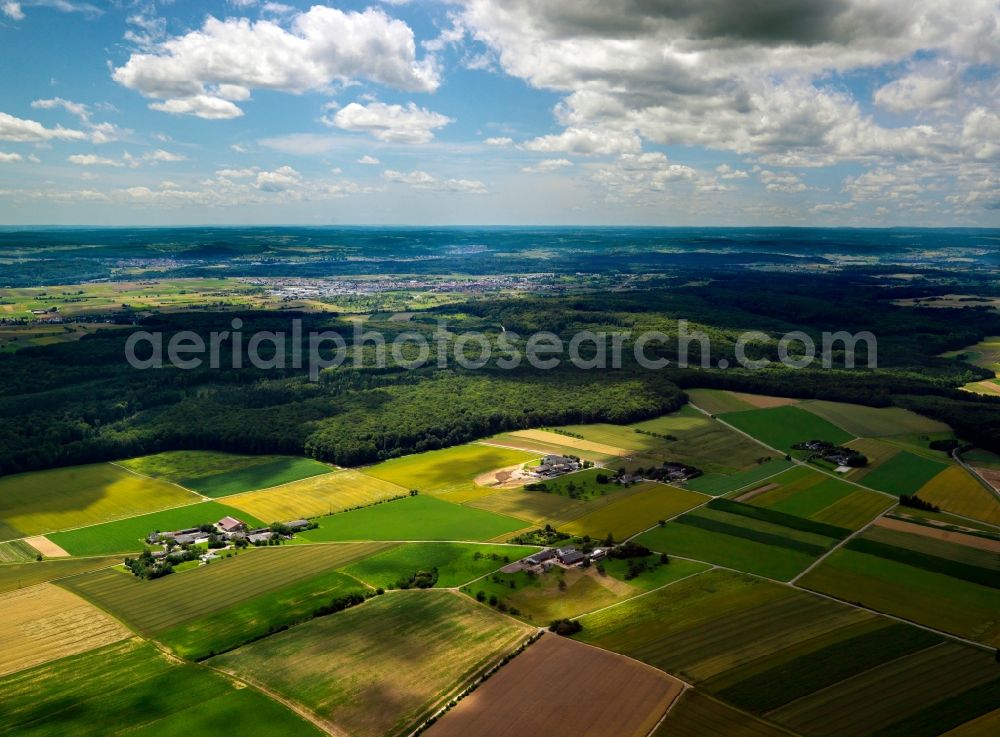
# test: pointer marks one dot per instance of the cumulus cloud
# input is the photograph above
(931, 88)
(7, 158)
(547, 165)
(23, 130)
(93, 160)
(781, 181)
(369, 160)
(748, 77)
(586, 142)
(205, 72)
(389, 123)
(12, 10)
(725, 171)
(422, 180)
(499, 141)
(99, 132)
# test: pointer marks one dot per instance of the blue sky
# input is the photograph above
(670, 112)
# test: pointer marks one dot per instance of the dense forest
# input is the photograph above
(79, 402)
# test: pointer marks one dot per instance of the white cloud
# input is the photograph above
(6, 158)
(161, 155)
(202, 106)
(586, 142)
(301, 144)
(93, 160)
(781, 181)
(197, 73)
(99, 132)
(981, 135)
(389, 123)
(237, 173)
(547, 165)
(12, 10)
(725, 171)
(934, 87)
(369, 160)
(20, 129)
(422, 180)
(499, 141)
(746, 77)
(281, 179)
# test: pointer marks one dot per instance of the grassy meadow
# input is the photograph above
(44, 501)
(130, 688)
(456, 563)
(636, 512)
(783, 427)
(413, 518)
(128, 535)
(216, 474)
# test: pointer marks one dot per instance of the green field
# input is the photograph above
(456, 563)
(380, 668)
(447, 470)
(702, 442)
(216, 474)
(718, 401)
(131, 688)
(715, 622)
(16, 551)
(567, 593)
(816, 496)
(699, 715)
(641, 510)
(919, 695)
(62, 498)
(716, 484)
(783, 427)
(819, 663)
(259, 616)
(224, 586)
(582, 485)
(735, 541)
(874, 422)
(903, 473)
(414, 518)
(128, 535)
(933, 599)
(18, 575)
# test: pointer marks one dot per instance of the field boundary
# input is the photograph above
(116, 464)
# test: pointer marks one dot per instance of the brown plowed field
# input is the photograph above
(562, 688)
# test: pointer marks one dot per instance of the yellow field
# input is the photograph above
(62, 498)
(544, 436)
(312, 497)
(636, 512)
(987, 725)
(45, 623)
(954, 490)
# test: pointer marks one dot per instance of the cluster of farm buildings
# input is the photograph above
(228, 531)
(566, 557)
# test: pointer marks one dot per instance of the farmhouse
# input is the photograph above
(230, 525)
(541, 557)
(554, 465)
(259, 536)
(570, 556)
(297, 525)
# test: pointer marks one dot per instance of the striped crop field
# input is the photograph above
(155, 606)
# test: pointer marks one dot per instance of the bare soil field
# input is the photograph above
(971, 541)
(757, 492)
(46, 547)
(509, 477)
(762, 401)
(563, 688)
(44, 623)
(990, 476)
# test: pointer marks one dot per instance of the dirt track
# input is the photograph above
(970, 541)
